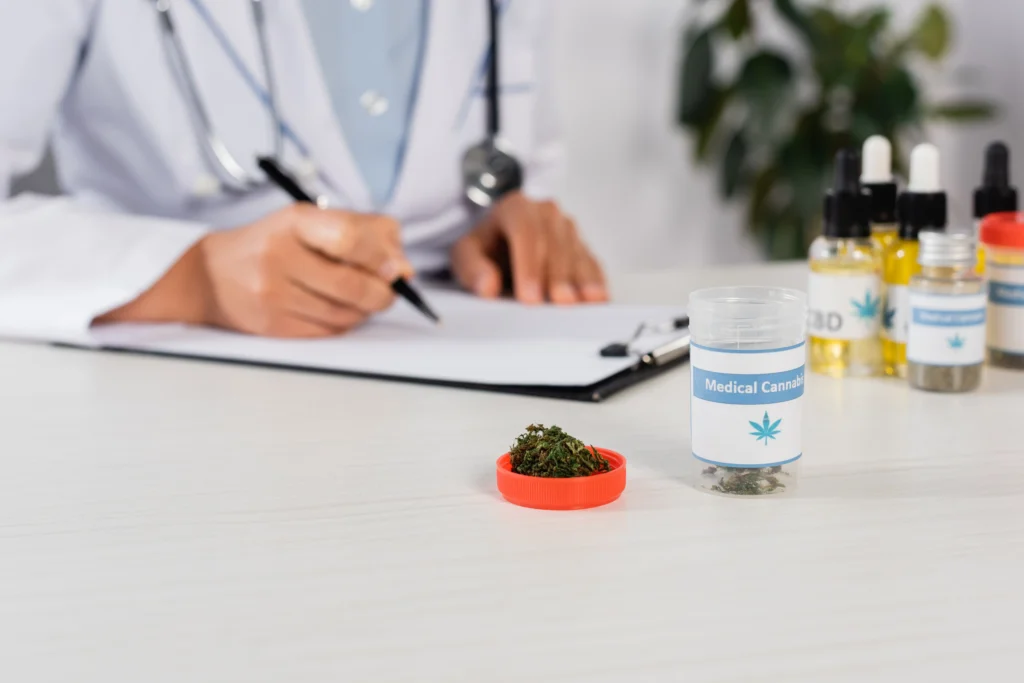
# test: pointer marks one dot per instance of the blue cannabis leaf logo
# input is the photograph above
(766, 430)
(888, 317)
(956, 342)
(866, 310)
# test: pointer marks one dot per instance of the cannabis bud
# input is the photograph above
(550, 452)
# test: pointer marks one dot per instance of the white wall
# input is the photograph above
(631, 184)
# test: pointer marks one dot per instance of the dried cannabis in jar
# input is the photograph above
(549, 452)
(944, 378)
(1005, 359)
(741, 481)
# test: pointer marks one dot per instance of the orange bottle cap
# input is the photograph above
(1003, 230)
(574, 493)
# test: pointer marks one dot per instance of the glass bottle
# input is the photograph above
(921, 207)
(946, 338)
(844, 290)
(1002, 237)
(884, 235)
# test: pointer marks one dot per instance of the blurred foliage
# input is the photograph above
(773, 129)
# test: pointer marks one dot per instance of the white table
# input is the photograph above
(167, 520)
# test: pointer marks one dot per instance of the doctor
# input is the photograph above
(156, 111)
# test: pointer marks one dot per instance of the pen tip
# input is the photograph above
(427, 311)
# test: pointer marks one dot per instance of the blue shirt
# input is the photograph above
(370, 52)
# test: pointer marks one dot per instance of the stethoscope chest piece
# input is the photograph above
(489, 173)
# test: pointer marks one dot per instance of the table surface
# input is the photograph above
(172, 520)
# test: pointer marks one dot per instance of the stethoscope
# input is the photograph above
(489, 170)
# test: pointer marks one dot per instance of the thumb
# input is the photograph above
(474, 269)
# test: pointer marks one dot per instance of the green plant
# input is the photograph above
(774, 126)
(549, 452)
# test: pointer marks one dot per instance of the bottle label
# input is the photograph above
(1006, 308)
(844, 306)
(946, 329)
(745, 406)
(895, 318)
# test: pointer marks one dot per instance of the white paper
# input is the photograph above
(479, 342)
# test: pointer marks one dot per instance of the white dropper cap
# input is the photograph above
(924, 170)
(877, 161)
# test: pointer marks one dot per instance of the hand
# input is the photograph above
(303, 272)
(546, 257)
(300, 272)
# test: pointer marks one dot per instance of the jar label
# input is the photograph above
(745, 406)
(946, 329)
(844, 306)
(1006, 308)
(895, 318)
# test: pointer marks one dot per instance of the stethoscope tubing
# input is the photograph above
(231, 174)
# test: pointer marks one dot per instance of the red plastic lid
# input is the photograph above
(575, 493)
(1003, 230)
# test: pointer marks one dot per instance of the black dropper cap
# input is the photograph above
(847, 204)
(995, 195)
(883, 202)
(921, 211)
(924, 205)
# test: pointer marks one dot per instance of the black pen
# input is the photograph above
(401, 286)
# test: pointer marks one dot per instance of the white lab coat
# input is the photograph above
(91, 77)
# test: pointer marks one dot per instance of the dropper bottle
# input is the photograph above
(877, 179)
(844, 291)
(922, 207)
(995, 195)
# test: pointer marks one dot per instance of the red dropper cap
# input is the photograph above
(1003, 230)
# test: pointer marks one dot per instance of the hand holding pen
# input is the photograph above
(298, 272)
(397, 277)
(301, 272)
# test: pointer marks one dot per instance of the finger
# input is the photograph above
(311, 307)
(295, 327)
(520, 224)
(378, 248)
(589, 277)
(562, 261)
(473, 267)
(339, 283)
(367, 241)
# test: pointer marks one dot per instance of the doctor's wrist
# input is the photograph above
(181, 295)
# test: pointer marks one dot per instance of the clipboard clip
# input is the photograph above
(662, 355)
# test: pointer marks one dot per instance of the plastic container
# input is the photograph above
(573, 493)
(747, 358)
(1002, 236)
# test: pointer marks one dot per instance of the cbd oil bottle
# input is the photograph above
(844, 291)
(1003, 237)
(876, 177)
(995, 195)
(922, 207)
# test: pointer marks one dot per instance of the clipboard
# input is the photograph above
(578, 353)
